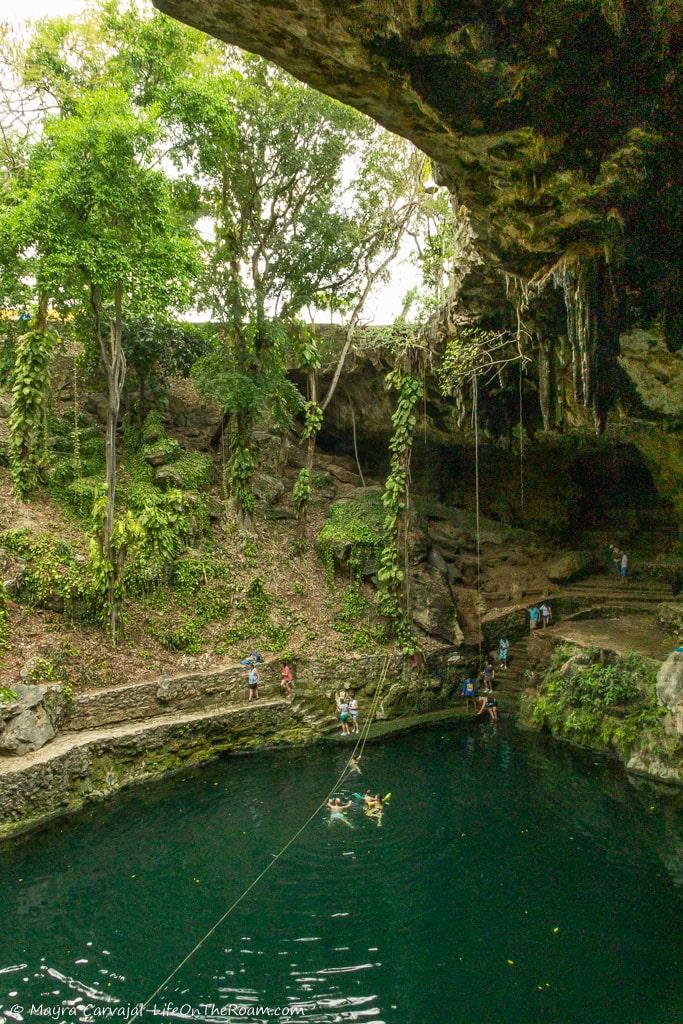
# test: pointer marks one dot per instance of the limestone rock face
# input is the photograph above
(655, 373)
(570, 566)
(267, 487)
(433, 609)
(30, 721)
(670, 617)
(670, 681)
(644, 762)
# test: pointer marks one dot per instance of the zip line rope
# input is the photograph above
(475, 416)
(521, 441)
(360, 742)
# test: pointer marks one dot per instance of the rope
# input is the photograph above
(362, 740)
(475, 413)
(521, 441)
(252, 885)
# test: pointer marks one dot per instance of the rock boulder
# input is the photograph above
(30, 721)
(570, 566)
(670, 681)
(432, 606)
(670, 617)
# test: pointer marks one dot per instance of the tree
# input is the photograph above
(272, 155)
(156, 348)
(97, 226)
(387, 194)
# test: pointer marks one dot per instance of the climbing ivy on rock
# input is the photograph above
(313, 421)
(391, 574)
(27, 421)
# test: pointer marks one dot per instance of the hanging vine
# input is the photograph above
(27, 421)
(240, 473)
(391, 573)
(76, 434)
(307, 349)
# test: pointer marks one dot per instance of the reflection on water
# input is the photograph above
(512, 881)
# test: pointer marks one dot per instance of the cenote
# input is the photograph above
(513, 879)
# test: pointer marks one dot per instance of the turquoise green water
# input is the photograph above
(495, 847)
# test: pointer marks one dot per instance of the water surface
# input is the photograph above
(512, 880)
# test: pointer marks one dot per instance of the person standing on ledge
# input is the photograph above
(253, 683)
(287, 679)
(503, 652)
(623, 567)
(343, 709)
(534, 616)
(354, 711)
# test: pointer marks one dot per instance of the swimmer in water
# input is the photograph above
(354, 766)
(337, 811)
(374, 807)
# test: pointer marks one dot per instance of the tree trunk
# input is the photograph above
(115, 364)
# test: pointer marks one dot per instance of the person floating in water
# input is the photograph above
(354, 767)
(503, 653)
(338, 810)
(469, 692)
(287, 679)
(490, 704)
(374, 806)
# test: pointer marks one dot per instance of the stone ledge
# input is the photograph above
(79, 768)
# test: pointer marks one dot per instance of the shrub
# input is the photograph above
(352, 533)
(182, 638)
(601, 699)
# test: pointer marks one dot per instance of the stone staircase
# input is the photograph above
(604, 595)
(307, 711)
(594, 597)
(509, 684)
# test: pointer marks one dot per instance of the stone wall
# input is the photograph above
(128, 734)
(93, 770)
(408, 690)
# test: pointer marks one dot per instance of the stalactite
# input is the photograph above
(547, 382)
(578, 280)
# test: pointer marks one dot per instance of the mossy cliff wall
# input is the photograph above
(606, 701)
